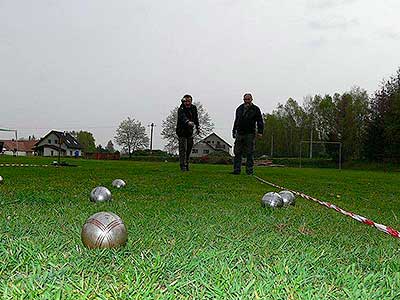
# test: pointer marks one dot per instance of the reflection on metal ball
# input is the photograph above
(100, 194)
(118, 183)
(288, 197)
(1, 179)
(272, 199)
(104, 230)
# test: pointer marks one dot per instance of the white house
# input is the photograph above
(56, 141)
(209, 144)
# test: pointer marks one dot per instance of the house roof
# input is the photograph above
(213, 133)
(23, 146)
(67, 138)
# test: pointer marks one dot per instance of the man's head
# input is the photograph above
(187, 101)
(247, 98)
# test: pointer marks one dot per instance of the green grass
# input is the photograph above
(197, 235)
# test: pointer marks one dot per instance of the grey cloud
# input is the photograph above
(388, 34)
(325, 4)
(342, 24)
(316, 43)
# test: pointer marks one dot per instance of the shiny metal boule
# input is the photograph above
(100, 194)
(288, 197)
(1, 180)
(118, 183)
(272, 199)
(104, 230)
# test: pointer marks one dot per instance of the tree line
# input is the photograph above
(368, 127)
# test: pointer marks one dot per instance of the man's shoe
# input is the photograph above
(235, 173)
(187, 167)
(249, 173)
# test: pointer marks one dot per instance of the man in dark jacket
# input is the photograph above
(187, 120)
(247, 117)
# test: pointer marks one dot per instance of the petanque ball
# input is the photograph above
(272, 199)
(118, 183)
(287, 197)
(100, 194)
(1, 179)
(104, 230)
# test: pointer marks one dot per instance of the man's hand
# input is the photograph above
(259, 135)
(191, 124)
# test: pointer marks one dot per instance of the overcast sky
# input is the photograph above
(88, 65)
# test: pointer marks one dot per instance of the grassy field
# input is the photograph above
(197, 235)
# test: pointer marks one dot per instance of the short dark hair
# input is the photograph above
(187, 96)
(248, 94)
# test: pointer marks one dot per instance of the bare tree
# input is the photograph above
(169, 126)
(131, 135)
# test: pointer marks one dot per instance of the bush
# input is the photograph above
(305, 162)
(151, 158)
(217, 157)
(148, 153)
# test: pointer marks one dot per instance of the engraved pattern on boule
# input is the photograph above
(104, 230)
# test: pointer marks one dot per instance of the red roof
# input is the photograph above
(24, 146)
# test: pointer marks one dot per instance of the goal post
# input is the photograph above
(16, 137)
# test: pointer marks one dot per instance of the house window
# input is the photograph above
(206, 151)
(52, 152)
(70, 152)
(49, 141)
(55, 142)
(212, 142)
(195, 150)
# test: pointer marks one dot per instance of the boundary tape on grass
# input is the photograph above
(22, 165)
(381, 227)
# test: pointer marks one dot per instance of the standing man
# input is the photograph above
(247, 117)
(187, 120)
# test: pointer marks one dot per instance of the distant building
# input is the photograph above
(22, 148)
(56, 141)
(210, 144)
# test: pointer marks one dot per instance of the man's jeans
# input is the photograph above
(185, 148)
(244, 144)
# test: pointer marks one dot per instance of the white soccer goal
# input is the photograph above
(16, 137)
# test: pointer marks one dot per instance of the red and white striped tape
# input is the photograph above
(385, 229)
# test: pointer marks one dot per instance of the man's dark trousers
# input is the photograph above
(244, 143)
(185, 148)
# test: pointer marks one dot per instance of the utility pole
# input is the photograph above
(272, 145)
(16, 140)
(311, 142)
(151, 137)
(61, 140)
(59, 150)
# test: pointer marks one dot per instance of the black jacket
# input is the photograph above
(186, 115)
(245, 121)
